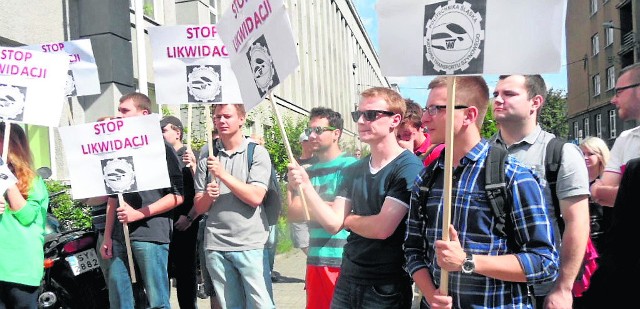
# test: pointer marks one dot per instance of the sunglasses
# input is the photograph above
(317, 130)
(369, 115)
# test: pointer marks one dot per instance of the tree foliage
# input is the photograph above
(553, 115)
(71, 214)
(489, 123)
(274, 141)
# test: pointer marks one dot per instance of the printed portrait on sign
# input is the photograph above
(12, 102)
(119, 175)
(204, 83)
(70, 85)
(262, 66)
(454, 38)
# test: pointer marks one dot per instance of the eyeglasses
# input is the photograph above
(432, 110)
(369, 115)
(621, 89)
(317, 130)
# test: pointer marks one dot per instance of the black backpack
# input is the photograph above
(272, 201)
(496, 187)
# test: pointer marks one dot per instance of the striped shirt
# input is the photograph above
(530, 237)
(326, 249)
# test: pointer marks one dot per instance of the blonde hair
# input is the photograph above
(598, 147)
(394, 99)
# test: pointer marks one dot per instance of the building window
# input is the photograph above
(611, 77)
(599, 125)
(586, 130)
(213, 12)
(576, 132)
(594, 6)
(608, 37)
(595, 44)
(596, 85)
(612, 123)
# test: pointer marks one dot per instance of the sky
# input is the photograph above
(416, 87)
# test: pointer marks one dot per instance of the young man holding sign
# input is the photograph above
(148, 215)
(236, 227)
(486, 268)
(372, 202)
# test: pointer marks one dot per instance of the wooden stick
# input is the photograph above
(448, 164)
(189, 135)
(287, 146)
(5, 143)
(127, 242)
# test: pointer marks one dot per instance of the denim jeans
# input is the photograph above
(241, 279)
(272, 245)
(349, 295)
(151, 262)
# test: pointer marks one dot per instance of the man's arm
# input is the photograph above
(605, 189)
(381, 225)
(106, 247)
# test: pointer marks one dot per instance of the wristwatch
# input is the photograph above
(468, 265)
(189, 219)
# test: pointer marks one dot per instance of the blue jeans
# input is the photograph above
(151, 262)
(349, 295)
(241, 279)
(272, 245)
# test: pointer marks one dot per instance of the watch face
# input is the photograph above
(468, 266)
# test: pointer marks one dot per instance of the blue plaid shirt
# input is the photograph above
(530, 234)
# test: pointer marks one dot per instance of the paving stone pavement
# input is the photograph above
(288, 291)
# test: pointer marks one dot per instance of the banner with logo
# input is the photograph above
(191, 65)
(115, 156)
(82, 77)
(458, 37)
(32, 86)
(260, 41)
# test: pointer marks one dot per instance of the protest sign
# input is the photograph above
(32, 86)
(456, 37)
(192, 65)
(259, 39)
(116, 156)
(82, 77)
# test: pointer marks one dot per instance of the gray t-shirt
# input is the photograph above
(231, 224)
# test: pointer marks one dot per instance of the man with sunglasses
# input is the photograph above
(627, 145)
(518, 100)
(325, 248)
(486, 269)
(371, 202)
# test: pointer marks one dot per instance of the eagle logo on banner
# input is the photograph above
(454, 38)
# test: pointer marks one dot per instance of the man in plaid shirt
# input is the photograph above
(486, 270)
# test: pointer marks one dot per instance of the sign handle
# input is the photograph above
(127, 242)
(448, 164)
(5, 143)
(287, 146)
(189, 135)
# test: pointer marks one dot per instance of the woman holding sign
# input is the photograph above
(23, 210)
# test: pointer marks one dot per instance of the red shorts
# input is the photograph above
(320, 284)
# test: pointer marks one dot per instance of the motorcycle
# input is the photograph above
(72, 274)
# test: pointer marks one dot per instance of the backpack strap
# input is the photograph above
(428, 176)
(250, 148)
(552, 161)
(495, 185)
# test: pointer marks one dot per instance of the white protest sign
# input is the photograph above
(115, 156)
(32, 86)
(260, 41)
(456, 37)
(7, 178)
(82, 77)
(192, 65)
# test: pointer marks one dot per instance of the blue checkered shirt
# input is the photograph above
(530, 236)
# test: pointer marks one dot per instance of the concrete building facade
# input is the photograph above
(603, 37)
(337, 59)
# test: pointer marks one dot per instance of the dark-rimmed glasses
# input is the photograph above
(369, 115)
(432, 110)
(317, 130)
(617, 91)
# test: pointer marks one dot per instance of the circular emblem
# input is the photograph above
(262, 66)
(11, 101)
(453, 37)
(204, 83)
(118, 175)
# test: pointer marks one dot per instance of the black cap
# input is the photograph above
(171, 120)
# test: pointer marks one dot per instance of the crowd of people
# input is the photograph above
(371, 226)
